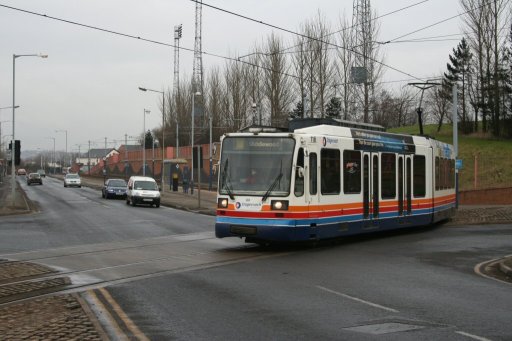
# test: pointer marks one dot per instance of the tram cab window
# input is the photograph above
(351, 172)
(330, 171)
(388, 176)
(313, 178)
(299, 174)
(419, 185)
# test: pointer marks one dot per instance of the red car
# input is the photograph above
(22, 171)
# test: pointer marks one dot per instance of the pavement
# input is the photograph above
(57, 317)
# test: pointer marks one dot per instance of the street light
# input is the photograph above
(163, 132)
(192, 137)
(13, 168)
(144, 150)
(65, 131)
(53, 155)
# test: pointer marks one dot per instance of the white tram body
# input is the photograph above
(328, 181)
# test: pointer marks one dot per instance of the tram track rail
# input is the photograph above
(94, 277)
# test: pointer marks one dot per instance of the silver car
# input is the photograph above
(72, 180)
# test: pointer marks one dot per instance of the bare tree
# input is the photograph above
(323, 66)
(300, 60)
(235, 93)
(253, 85)
(215, 91)
(368, 56)
(484, 23)
(276, 82)
(345, 62)
(439, 103)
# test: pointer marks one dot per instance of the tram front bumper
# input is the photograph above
(260, 232)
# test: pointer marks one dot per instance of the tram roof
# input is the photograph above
(329, 130)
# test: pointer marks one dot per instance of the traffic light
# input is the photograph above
(17, 152)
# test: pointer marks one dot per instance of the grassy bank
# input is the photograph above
(492, 157)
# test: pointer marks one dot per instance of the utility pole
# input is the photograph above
(177, 36)
(362, 23)
(455, 140)
(89, 159)
(197, 82)
(126, 156)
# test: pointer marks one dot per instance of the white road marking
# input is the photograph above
(474, 337)
(375, 305)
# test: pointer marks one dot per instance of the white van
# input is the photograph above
(142, 190)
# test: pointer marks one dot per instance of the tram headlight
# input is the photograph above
(279, 205)
(222, 203)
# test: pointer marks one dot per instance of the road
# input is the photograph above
(172, 279)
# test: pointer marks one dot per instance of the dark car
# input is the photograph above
(114, 188)
(34, 178)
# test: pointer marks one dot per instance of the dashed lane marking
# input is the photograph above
(474, 337)
(375, 305)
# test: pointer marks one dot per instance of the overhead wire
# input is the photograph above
(368, 21)
(232, 59)
(300, 35)
(434, 24)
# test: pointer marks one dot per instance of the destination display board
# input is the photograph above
(375, 141)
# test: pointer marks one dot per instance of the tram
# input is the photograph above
(328, 181)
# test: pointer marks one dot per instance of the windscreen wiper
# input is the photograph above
(271, 188)
(225, 179)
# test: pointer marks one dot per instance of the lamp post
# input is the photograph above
(64, 131)
(13, 168)
(194, 94)
(144, 150)
(53, 155)
(163, 132)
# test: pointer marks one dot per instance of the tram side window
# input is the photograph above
(452, 173)
(313, 174)
(388, 176)
(445, 173)
(419, 176)
(299, 175)
(351, 172)
(330, 171)
(437, 175)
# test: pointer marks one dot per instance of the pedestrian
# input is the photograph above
(186, 177)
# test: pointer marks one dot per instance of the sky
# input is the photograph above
(88, 85)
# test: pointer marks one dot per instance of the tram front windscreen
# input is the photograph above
(259, 166)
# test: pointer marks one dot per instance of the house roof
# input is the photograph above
(98, 153)
(130, 147)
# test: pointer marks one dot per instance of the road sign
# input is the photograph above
(458, 164)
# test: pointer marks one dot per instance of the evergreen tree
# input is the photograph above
(298, 111)
(459, 71)
(333, 108)
(149, 139)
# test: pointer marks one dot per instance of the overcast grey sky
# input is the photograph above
(89, 84)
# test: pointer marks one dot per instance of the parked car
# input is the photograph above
(34, 178)
(142, 190)
(114, 188)
(42, 173)
(72, 179)
(22, 171)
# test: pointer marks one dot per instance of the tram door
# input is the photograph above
(370, 187)
(404, 186)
